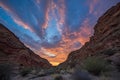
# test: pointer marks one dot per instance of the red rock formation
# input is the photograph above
(13, 50)
(106, 38)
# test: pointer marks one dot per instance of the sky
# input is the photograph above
(53, 28)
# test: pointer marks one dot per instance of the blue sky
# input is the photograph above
(53, 28)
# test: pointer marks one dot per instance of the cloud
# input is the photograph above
(60, 55)
(14, 16)
(59, 26)
(27, 16)
(92, 5)
(45, 52)
(70, 42)
(30, 42)
(48, 20)
(38, 1)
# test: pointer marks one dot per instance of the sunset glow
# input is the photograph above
(53, 28)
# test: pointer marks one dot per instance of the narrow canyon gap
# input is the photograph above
(53, 28)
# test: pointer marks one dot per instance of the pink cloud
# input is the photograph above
(66, 45)
(92, 5)
(16, 19)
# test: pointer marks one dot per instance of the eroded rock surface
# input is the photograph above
(13, 50)
(106, 38)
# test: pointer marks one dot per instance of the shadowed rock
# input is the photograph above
(79, 75)
(14, 51)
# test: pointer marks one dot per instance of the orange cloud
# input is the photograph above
(69, 40)
(50, 10)
(66, 45)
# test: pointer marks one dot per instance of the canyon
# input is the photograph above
(104, 42)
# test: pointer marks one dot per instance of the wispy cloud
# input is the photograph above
(59, 26)
(15, 17)
(92, 5)
(49, 54)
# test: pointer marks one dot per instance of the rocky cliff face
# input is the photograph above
(106, 38)
(13, 50)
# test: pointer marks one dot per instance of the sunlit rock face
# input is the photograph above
(106, 38)
(14, 51)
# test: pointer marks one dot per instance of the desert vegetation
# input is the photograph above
(95, 65)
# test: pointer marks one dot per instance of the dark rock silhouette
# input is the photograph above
(14, 51)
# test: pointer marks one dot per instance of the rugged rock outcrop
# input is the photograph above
(106, 39)
(13, 50)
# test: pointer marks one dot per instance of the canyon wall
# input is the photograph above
(14, 51)
(105, 40)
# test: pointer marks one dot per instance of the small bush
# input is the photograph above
(5, 71)
(95, 65)
(25, 71)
